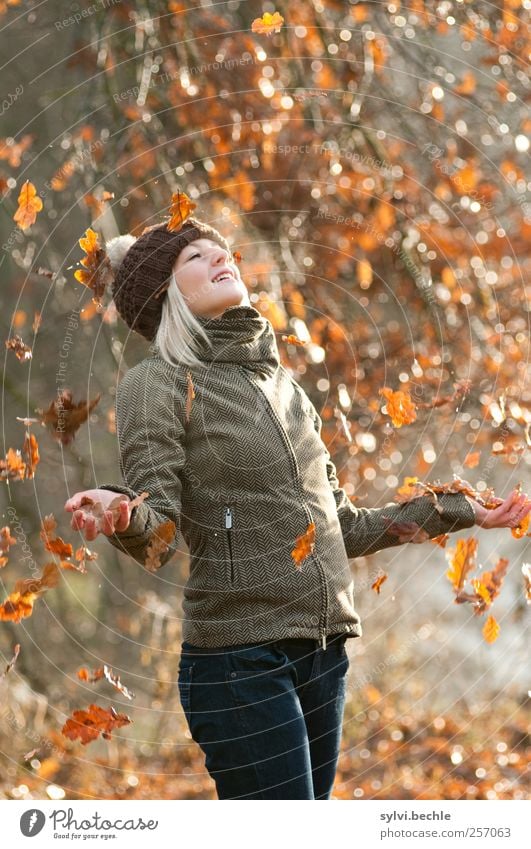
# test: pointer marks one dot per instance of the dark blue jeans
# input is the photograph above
(267, 716)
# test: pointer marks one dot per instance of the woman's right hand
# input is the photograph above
(83, 519)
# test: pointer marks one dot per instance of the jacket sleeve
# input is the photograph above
(364, 530)
(151, 445)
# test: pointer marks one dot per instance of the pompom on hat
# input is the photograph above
(142, 269)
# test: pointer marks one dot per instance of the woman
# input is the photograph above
(242, 472)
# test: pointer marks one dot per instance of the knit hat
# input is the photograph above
(142, 270)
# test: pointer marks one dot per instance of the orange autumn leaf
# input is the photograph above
(181, 208)
(377, 585)
(87, 725)
(158, 544)
(462, 560)
(441, 540)
(291, 339)
(19, 604)
(52, 542)
(31, 450)
(399, 406)
(407, 486)
(98, 274)
(268, 23)
(472, 460)
(29, 204)
(491, 630)
(520, 530)
(236, 255)
(304, 545)
(486, 587)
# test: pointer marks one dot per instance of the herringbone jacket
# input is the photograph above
(242, 474)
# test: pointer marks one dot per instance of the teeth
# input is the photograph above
(222, 277)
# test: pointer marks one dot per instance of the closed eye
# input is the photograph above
(192, 256)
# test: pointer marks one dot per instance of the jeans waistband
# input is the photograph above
(301, 642)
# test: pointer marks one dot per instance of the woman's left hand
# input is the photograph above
(509, 514)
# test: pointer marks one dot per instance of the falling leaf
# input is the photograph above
(158, 544)
(377, 585)
(87, 725)
(526, 572)
(486, 587)
(14, 467)
(190, 395)
(472, 460)
(63, 418)
(52, 542)
(491, 630)
(19, 604)
(29, 204)
(406, 488)
(237, 257)
(268, 23)
(304, 545)
(6, 540)
(31, 450)
(21, 351)
(12, 662)
(462, 560)
(97, 273)
(399, 406)
(180, 210)
(104, 672)
(293, 340)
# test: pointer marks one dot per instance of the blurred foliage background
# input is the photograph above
(369, 162)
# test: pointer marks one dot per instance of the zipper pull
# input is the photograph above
(228, 517)
(324, 641)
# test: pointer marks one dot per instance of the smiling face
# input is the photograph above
(197, 272)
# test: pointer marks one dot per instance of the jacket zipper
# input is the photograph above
(228, 528)
(296, 475)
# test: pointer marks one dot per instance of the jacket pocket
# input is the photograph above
(228, 522)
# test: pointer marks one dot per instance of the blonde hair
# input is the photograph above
(177, 329)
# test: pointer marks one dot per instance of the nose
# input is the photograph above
(219, 254)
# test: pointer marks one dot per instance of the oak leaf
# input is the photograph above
(268, 23)
(29, 204)
(19, 604)
(158, 544)
(399, 406)
(87, 725)
(63, 418)
(97, 273)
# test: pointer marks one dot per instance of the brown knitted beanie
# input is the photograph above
(142, 269)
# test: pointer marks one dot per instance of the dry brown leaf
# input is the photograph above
(304, 545)
(158, 544)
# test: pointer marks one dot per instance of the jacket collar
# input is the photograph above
(241, 335)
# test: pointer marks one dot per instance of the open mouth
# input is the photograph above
(223, 276)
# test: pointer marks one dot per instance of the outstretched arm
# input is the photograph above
(151, 444)
(366, 530)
